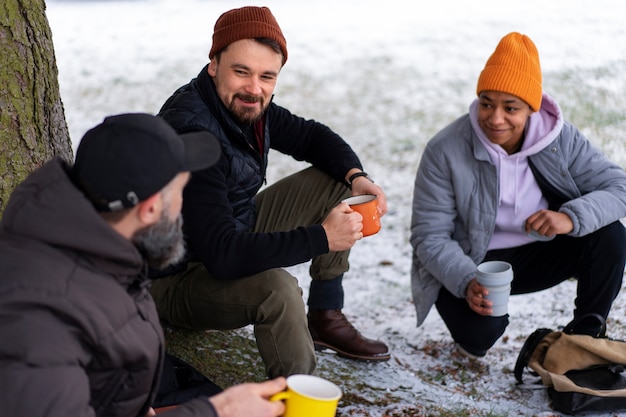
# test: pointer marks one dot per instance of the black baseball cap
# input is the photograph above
(129, 157)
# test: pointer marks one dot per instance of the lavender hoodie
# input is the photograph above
(520, 195)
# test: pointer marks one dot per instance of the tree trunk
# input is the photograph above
(32, 121)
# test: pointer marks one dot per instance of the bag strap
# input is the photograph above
(571, 327)
(527, 350)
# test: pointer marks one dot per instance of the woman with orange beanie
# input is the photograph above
(513, 181)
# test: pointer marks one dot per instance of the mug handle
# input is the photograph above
(283, 395)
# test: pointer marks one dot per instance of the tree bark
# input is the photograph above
(32, 120)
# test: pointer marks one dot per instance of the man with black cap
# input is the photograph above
(80, 333)
(240, 240)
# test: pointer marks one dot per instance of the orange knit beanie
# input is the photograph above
(246, 23)
(514, 68)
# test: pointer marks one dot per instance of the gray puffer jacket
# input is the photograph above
(79, 332)
(456, 196)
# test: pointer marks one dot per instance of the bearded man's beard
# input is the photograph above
(245, 115)
(163, 243)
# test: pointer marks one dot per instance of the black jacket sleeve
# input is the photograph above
(229, 253)
(311, 141)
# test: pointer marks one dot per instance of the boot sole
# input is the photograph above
(319, 346)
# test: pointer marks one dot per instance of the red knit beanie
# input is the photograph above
(246, 23)
(514, 68)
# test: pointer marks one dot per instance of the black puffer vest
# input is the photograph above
(197, 107)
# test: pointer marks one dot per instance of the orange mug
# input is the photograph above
(366, 205)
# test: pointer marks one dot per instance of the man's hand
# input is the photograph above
(549, 223)
(343, 228)
(475, 296)
(250, 399)
(362, 185)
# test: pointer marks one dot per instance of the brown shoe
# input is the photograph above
(331, 329)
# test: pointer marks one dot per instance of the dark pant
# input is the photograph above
(270, 300)
(596, 260)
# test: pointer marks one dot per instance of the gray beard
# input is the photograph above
(163, 243)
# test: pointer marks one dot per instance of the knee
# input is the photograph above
(479, 334)
(492, 329)
(611, 241)
(280, 282)
(283, 295)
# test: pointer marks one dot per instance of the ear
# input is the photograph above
(212, 70)
(149, 210)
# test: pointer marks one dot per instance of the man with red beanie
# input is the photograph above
(513, 181)
(239, 240)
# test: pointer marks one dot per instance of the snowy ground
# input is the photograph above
(386, 75)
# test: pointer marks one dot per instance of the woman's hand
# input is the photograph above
(475, 296)
(549, 223)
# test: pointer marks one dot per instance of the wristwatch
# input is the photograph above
(357, 175)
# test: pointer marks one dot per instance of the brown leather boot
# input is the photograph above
(331, 329)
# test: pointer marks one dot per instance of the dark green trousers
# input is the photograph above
(271, 300)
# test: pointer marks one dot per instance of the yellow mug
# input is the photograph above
(309, 396)
(367, 206)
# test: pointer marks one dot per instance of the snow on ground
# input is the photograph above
(386, 75)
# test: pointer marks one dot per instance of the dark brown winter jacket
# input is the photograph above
(79, 332)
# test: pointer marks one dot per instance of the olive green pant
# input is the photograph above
(271, 300)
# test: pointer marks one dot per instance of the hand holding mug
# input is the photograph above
(476, 297)
(250, 399)
(343, 228)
